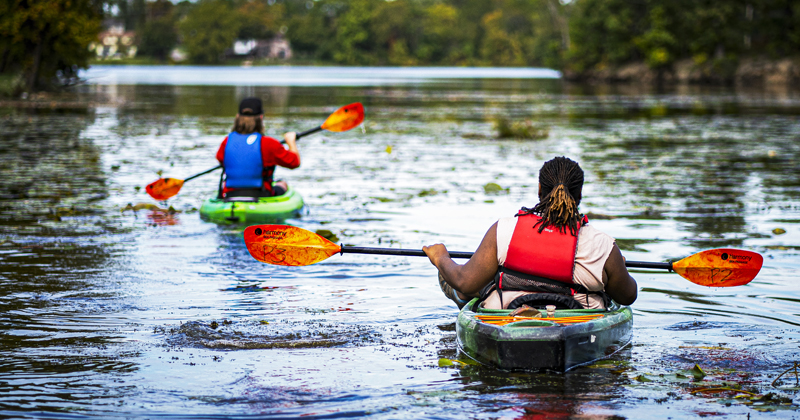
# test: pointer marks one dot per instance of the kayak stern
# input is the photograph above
(246, 210)
(540, 344)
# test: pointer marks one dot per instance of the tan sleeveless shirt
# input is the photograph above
(594, 247)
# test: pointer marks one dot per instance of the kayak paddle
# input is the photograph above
(343, 119)
(293, 246)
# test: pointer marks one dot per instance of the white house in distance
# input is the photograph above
(114, 43)
(275, 48)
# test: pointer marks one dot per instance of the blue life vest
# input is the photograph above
(242, 163)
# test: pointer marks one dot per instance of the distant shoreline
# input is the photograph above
(749, 71)
(293, 75)
(746, 71)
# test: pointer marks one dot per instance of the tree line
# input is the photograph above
(575, 36)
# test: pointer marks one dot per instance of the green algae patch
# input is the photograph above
(604, 364)
(149, 206)
(599, 216)
(507, 129)
(325, 233)
(696, 372)
(427, 193)
(445, 362)
(494, 188)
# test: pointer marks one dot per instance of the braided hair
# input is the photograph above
(560, 183)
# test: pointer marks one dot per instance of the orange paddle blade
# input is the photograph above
(164, 188)
(345, 118)
(724, 267)
(287, 245)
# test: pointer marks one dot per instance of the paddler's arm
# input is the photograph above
(273, 153)
(471, 277)
(621, 286)
(221, 151)
(291, 141)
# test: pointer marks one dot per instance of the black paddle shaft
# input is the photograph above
(202, 173)
(457, 254)
(645, 264)
(307, 132)
(392, 251)
(304, 133)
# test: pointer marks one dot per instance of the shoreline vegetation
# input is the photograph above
(611, 41)
(748, 71)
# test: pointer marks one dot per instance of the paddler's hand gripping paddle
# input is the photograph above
(345, 118)
(293, 246)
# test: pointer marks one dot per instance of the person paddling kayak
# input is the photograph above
(249, 158)
(547, 255)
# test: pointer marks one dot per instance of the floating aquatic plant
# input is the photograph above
(327, 234)
(494, 188)
(520, 129)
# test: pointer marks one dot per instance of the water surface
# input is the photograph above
(113, 312)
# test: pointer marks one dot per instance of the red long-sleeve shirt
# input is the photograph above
(272, 154)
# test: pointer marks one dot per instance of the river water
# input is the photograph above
(107, 311)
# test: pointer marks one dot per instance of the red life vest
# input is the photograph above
(549, 254)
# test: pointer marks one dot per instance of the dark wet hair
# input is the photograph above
(561, 182)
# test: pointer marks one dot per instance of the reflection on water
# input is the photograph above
(105, 309)
(301, 75)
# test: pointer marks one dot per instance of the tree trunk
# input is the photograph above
(560, 22)
(33, 78)
(4, 61)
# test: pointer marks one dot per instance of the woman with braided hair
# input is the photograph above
(547, 255)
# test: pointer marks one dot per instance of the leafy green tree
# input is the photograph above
(441, 38)
(353, 44)
(131, 13)
(158, 38)
(48, 40)
(500, 48)
(312, 32)
(395, 31)
(259, 20)
(159, 35)
(209, 29)
(601, 33)
(657, 44)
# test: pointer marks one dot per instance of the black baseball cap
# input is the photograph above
(250, 106)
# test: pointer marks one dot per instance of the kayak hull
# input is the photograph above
(253, 210)
(544, 345)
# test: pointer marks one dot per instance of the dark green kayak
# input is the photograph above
(253, 210)
(541, 344)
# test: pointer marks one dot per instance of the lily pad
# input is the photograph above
(520, 129)
(445, 362)
(325, 233)
(603, 364)
(493, 188)
(426, 193)
(696, 372)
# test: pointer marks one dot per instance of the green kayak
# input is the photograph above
(573, 337)
(253, 209)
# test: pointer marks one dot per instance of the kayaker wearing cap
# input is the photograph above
(547, 255)
(249, 157)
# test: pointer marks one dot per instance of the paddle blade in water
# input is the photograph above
(287, 245)
(164, 188)
(723, 267)
(345, 118)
